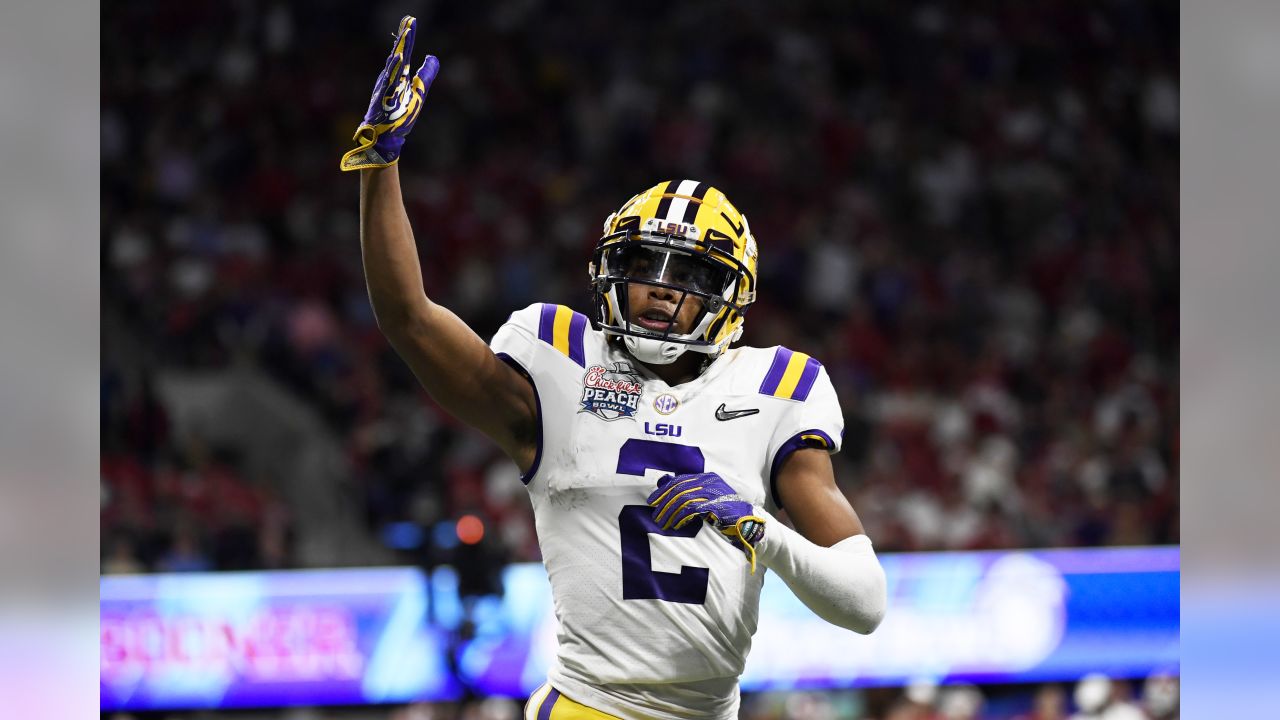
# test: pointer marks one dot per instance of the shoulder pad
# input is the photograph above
(557, 326)
(791, 375)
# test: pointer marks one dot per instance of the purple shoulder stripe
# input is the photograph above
(807, 378)
(776, 371)
(547, 323)
(577, 331)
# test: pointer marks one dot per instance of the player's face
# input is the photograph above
(657, 308)
(654, 308)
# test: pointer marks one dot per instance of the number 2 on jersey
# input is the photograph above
(639, 580)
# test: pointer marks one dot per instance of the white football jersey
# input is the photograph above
(653, 623)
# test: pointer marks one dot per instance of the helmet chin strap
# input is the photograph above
(653, 351)
(656, 351)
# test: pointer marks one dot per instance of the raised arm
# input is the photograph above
(454, 365)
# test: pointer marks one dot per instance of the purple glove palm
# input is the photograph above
(680, 499)
(395, 105)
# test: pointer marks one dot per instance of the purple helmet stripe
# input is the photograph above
(691, 210)
(664, 205)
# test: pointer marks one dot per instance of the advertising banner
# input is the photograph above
(316, 637)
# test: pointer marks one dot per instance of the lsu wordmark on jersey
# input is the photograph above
(637, 604)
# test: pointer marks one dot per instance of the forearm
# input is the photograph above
(453, 364)
(843, 584)
(391, 267)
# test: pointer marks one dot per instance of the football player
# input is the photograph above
(655, 455)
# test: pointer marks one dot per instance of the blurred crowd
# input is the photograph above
(1094, 697)
(968, 212)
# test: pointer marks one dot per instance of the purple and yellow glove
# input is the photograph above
(395, 105)
(681, 499)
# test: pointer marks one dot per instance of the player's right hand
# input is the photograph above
(396, 103)
(681, 499)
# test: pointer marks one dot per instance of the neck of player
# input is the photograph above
(686, 367)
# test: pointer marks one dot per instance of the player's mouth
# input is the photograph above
(655, 320)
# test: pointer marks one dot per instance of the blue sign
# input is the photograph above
(221, 640)
(983, 617)
(380, 635)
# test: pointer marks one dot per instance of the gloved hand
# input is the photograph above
(395, 105)
(680, 499)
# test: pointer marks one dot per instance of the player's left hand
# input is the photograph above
(681, 499)
(397, 101)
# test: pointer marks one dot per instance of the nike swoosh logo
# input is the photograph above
(722, 414)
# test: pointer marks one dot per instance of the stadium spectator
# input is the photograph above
(1098, 697)
(1161, 695)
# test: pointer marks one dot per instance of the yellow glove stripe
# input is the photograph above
(361, 157)
(747, 518)
(402, 36)
(402, 33)
(735, 532)
(412, 108)
(362, 160)
(669, 508)
(366, 136)
(751, 547)
(684, 505)
(670, 489)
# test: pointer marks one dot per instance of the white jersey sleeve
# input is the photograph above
(514, 341)
(546, 344)
(812, 419)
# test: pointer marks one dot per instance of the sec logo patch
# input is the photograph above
(666, 403)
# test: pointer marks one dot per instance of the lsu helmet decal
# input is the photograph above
(684, 235)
